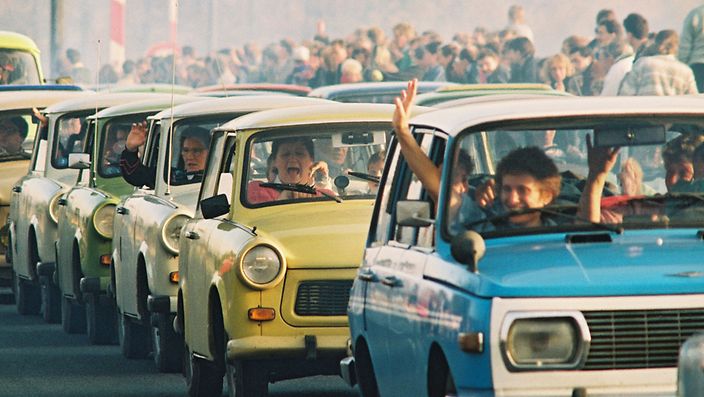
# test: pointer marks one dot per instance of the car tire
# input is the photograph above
(73, 317)
(244, 379)
(51, 300)
(440, 380)
(134, 337)
(364, 368)
(203, 378)
(100, 318)
(28, 298)
(167, 345)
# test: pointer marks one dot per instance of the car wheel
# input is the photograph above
(51, 300)
(73, 317)
(100, 317)
(440, 380)
(134, 337)
(28, 298)
(365, 370)
(166, 343)
(203, 378)
(244, 379)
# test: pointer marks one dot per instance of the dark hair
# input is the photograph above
(466, 55)
(611, 26)
(636, 25)
(20, 124)
(433, 47)
(666, 42)
(198, 133)
(73, 55)
(487, 53)
(584, 51)
(604, 14)
(530, 161)
(523, 45)
(307, 142)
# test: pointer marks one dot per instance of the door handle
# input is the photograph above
(122, 210)
(17, 189)
(367, 275)
(192, 235)
(391, 281)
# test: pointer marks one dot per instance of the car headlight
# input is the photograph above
(544, 341)
(171, 231)
(102, 220)
(54, 207)
(261, 265)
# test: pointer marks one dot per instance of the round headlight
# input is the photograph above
(171, 231)
(102, 220)
(261, 264)
(543, 343)
(54, 207)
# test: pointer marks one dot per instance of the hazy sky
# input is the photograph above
(213, 24)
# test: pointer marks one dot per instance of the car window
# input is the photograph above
(219, 162)
(112, 144)
(69, 137)
(18, 68)
(333, 162)
(17, 132)
(541, 171)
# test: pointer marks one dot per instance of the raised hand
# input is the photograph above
(137, 136)
(402, 113)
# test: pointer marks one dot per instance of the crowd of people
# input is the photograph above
(624, 57)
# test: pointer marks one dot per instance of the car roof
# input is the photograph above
(237, 104)
(323, 114)
(36, 99)
(455, 119)
(160, 88)
(154, 104)
(285, 88)
(17, 41)
(491, 98)
(381, 86)
(98, 101)
(41, 87)
(473, 90)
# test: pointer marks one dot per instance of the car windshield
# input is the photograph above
(190, 149)
(339, 164)
(70, 133)
(573, 175)
(17, 131)
(18, 68)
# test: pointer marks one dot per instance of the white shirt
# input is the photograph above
(613, 78)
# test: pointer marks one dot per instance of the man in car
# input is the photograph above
(13, 130)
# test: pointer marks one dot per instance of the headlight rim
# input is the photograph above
(250, 283)
(53, 204)
(583, 340)
(101, 233)
(162, 234)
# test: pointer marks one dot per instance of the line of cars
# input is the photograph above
(241, 274)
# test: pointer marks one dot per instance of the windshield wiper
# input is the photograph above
(366, 177)
(301, 188)
(550, 210)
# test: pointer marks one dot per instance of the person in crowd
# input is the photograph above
(605, 14)
(573, 43)
(427, 57)
(582, 60)
(608, 31)
(636, 27)
(464, 69)
(490, 69)
(375, 167)
(520, 54)
(557, 71)
(517, 22)
(400, 52)
(78, 72)
(617, 60)
(129, 74)
(660, 73)
(302, 71)
(448, 54)
(691, 47)
(352, 71)
(13, 131)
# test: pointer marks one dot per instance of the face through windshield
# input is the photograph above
(309, 167)
(573, 177)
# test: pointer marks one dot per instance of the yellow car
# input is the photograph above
(16, 109)
(19, 60)
(267, 262)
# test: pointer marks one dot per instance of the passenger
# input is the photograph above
(375, 167)
(631, 178)
(271, 171)
(194, 149)
(13, 131)
(293, 159)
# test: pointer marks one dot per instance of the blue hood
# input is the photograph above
(643, 262)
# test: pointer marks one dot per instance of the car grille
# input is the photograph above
(323, 298)
(639, 338)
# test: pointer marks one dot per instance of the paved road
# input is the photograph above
(39, 359)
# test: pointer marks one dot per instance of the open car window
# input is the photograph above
(331, 163)
(657, 177)
(17, 131)
(69, 137)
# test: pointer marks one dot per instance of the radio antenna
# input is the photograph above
(174, 12)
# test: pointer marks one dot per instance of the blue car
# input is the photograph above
(561, 256)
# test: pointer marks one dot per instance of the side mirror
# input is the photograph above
(413, 213)
(79, 161)
(468, 248)
(215, 206)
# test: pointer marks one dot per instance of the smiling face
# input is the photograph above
(524, 191)
(194, 154)
(293, 162)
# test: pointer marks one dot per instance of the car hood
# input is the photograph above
(317, 235)
(634, 263)
(12, 171)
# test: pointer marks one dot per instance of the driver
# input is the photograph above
(293, 161)
(13, 131)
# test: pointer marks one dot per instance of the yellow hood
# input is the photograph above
(316, 235)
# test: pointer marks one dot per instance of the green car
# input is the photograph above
(454, 92)
(85, 218)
